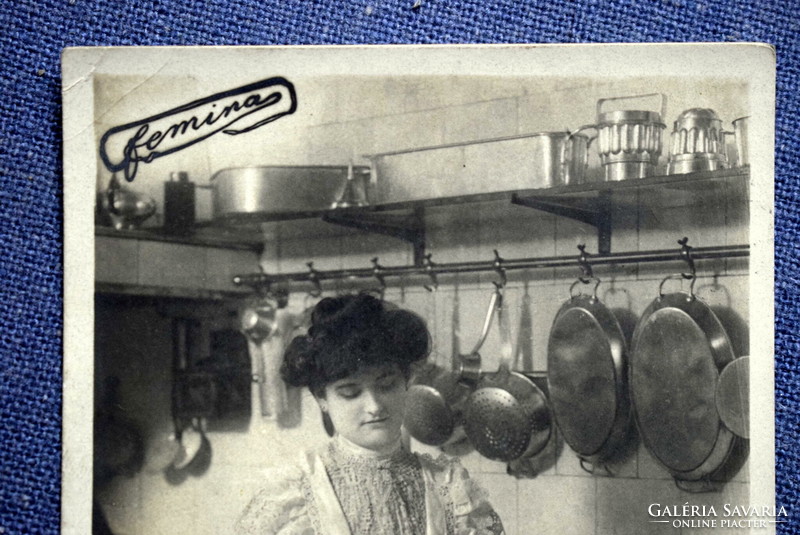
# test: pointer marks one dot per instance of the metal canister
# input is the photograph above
(560, 158)
(179, 204)
(740, 135)
(629, 141)
(698, 142)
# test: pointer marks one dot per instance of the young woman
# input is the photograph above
(356, 360)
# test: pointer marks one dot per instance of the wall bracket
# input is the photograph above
(596, 213)
(407, 227)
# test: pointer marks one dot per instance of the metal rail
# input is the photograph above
(499, 265)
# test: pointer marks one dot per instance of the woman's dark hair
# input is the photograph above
(352, 332)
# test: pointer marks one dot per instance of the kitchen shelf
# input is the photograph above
(592, 203)
(204, 235)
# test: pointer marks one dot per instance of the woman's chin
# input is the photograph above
(379, 439)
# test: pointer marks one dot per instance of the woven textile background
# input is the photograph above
(34, 32)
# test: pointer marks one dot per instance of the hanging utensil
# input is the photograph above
(526, 466)
(679, 349)
(732, 396)
(587, 360)
(433, 408)
(500, 416)
(257, 323)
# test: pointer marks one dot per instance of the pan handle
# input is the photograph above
(585, 281)
(681, 276)
(494, 304)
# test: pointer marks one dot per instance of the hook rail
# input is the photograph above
(431, 270)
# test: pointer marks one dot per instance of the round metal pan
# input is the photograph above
(587, 377)
(679, 349)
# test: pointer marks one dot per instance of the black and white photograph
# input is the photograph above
(461, 289)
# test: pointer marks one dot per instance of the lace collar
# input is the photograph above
(342, 450)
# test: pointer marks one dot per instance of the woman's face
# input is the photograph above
(367, 408)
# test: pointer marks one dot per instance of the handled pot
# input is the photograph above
(740, 134)
(561, 158)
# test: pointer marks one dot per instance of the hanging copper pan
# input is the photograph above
(679, 349)
(587, 376)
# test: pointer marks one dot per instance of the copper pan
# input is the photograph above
(679, 349)
(587, 361)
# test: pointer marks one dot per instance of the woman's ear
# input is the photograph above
(326, 418)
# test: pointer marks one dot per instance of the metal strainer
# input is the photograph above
(496, 424)
(500, 416)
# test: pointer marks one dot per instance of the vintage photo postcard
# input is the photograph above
(511, 289)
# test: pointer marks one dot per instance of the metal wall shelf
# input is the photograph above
(592, 203)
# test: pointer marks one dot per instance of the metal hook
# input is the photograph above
(686, 254)
(313, 277)
(586, 268)
(377, 270)
(499, 269)
(429, 265)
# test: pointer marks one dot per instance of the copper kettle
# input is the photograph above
(123, 208)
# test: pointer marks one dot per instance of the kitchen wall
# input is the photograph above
(341, 119)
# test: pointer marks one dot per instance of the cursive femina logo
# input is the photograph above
(250, 106)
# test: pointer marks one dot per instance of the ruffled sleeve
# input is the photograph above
(279, 508)
(471, 512)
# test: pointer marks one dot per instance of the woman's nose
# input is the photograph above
(373, 402)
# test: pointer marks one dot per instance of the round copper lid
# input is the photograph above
(733, 396)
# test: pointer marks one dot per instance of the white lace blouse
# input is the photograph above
(344, 489)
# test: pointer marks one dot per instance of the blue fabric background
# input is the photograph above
(34, 32)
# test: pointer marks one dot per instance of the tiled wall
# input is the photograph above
(392, 114)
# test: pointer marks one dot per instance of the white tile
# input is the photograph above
(169, 264)
(295, 253)
(732, 494)
(557, 505)
(503, 495)
(223, 264)
(116, 260)
(407, 131)
(661, 227)
(481, 120)
(622, 505)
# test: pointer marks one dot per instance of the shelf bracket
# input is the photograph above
(409, 227)
(599, 216)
